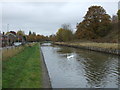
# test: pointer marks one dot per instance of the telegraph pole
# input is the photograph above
(7, 36)
(7, 27)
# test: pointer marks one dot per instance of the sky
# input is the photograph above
(46, 18)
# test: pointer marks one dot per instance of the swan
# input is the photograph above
(69, 56)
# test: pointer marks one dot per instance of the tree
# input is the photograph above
(20, 33)
(24, 37)
(31, 38)
(96, 23)
(30, 33)
(52, 37)
(66, 26)
(3, 33)
(114, 19)
(40, 38)
(7, 33)
(34, 33)
(59, 34)
(118, 13)
(64, 33)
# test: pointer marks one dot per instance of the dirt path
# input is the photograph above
(46, 78)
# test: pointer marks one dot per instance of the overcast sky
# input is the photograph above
(47, 17)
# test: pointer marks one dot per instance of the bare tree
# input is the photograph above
(66, 26)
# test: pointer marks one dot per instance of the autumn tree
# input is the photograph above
(40, 38)
(31, 38)
(52, 38)
(59, 34)
(64, 33)
(20, 33)
(96, 23)
(21, 36)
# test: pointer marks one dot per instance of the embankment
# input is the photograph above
(45, 76)
(7, 52)
(23, 70)
(112, 48)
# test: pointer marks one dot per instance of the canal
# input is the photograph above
(77, 68)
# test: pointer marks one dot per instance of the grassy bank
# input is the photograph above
(93, 44)
(9, 52)
(23, 70)
(103, 47)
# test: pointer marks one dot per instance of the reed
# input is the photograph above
(94, 44)
(9, 52)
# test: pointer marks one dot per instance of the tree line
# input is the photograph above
(95, 25)
(31, 37)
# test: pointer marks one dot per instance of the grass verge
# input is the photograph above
(23, 70)
(9, 52)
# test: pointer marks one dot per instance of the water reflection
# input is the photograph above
(64, 50)
(100, 69)
(86, 69)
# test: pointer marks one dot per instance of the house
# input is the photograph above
(4, 40)
(11, 38)
(8, 39)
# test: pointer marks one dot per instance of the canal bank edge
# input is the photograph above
(46, 79)
(116, 52)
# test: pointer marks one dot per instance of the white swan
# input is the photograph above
(69, 56)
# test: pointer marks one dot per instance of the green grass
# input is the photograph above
(23, 70)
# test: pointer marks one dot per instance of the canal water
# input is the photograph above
(77, 68)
